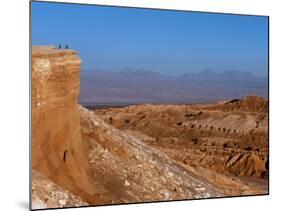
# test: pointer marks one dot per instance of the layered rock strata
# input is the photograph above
(87, 159)
(57, 148)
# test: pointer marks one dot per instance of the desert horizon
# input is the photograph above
(128, 87)
(101, 105)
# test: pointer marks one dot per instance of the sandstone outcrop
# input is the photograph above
(83, 159)
(57, 148)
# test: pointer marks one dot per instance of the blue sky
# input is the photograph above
(169, 42)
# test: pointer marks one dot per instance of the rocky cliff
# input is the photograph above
(86, 160)
(57, 148)
(134, 172)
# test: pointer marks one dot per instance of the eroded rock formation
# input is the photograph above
(88, 159)
(224, 143)
(131, 171)
(57, 148)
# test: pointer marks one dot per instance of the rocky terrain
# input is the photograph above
(137, 153)
(46, 193)
(57, 147)
(131, 171)
(225, 143)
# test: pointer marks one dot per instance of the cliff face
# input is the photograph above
(78, 158)
(57, 149)
(70, 147)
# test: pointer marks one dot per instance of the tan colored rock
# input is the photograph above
(227, 139)
(131, 171)
(137, 153)
(57, 149)
(85, 156)
(47, 194)
(248, 104)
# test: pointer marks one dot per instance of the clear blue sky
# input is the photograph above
(169, 42)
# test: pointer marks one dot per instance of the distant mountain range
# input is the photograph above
(102, 87)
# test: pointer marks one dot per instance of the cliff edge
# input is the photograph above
(86, 156)
(57, 149)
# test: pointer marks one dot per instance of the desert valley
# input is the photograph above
(226, 143)
(138, 153)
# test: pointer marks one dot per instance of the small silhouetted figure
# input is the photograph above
(66, 47)
(59, 46)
